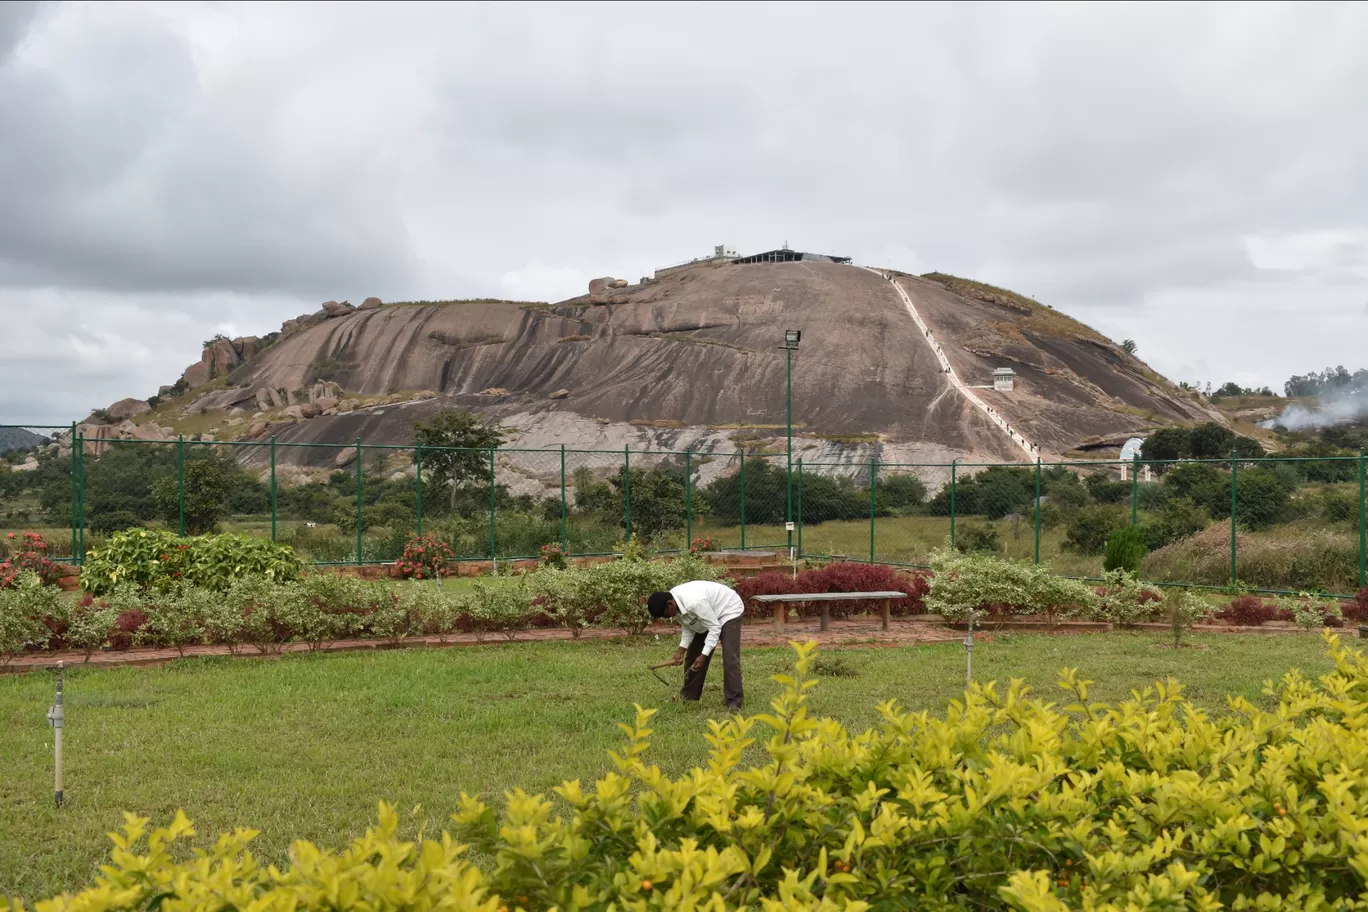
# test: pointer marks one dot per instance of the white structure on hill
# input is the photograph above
(1004, 380)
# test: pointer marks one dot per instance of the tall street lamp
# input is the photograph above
(791, 338)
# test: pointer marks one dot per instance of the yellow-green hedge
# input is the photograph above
(1007, 802)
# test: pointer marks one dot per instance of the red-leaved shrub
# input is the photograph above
(126, 628)
(840, 577)
(1357, 610)
(1247, 611)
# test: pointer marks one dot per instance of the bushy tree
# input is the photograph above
(657, 500)
(1178, 519)
(1202, 484)
(1165, 445)
(208, 484)
(1263, 498)
(1210, 441)
(456, 447)
(1091, 526)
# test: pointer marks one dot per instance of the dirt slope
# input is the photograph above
(699, 348)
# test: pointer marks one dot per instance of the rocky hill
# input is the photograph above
(693, 359)
(17, 438)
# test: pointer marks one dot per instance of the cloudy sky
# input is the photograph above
(1193, 177)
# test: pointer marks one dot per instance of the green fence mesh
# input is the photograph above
(1262, 524)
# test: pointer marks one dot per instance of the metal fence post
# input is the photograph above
(80, 500)
(627, 489)
(418, 482)
(1037, 513)
(688, 498)
(798, 516)
(1234, 511)
(873, 473)
(565, 546)
(273, 487)
(358, 501)
(180, 479)
(492, 540)
(1135, 489)
(1363, 528)
(74, 482)
(953, 467)
(743, 498)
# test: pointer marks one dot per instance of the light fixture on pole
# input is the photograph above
(791, 339)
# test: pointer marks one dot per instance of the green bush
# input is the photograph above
(1004, 801)
(154, 559)
(22, 609)
(1178, 519)
(973, 537)
(963, 586)
(1125, 550)
(1091, 527)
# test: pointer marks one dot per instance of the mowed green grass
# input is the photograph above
(304, 746)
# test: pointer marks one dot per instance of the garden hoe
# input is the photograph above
(662, 680)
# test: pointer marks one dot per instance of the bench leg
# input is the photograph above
(826, 615)
(780, 609)
(884, 614)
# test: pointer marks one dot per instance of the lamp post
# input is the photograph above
(791, 338)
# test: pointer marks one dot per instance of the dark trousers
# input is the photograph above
(730, 644)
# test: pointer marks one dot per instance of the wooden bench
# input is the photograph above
(825, 598)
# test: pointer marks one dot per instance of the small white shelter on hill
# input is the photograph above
(1004, 380)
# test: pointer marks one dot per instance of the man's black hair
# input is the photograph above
(657, 602)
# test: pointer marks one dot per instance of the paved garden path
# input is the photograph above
(857, 631)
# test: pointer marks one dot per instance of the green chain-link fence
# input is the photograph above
(1264, 524)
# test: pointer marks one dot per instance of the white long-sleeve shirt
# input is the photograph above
(703, 608)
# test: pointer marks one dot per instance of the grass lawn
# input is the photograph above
(304, 746)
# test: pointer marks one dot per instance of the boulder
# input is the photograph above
(598, 290)
(326, 403)
(165, 392)
(371, 304)
(334, 309)
(128, 408)
(345, 457)
(29, 465)
(309, 410)
(294, 411)
(494, 391)
(346, 405)
(329, 412)
(288, 327)
(290, 398)
(425, 394)
(247, 347)
(146, 432)
(196, 374)
(559, 394)
(221, 357)
(235, 411)
(257, 429)
(277, 401)
(263, 399)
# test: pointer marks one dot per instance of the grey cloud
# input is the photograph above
(235, 162)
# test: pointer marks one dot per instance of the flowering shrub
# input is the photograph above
(28, 551)
(425, 557)
(552, 556)
(702, 545)
(1003, 801)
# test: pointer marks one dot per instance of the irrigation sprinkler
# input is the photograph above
(56, 718)
(969, 652)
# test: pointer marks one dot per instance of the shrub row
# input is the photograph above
(256, 613)
(1003, 801)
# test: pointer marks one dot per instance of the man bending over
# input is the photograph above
(713, 610)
